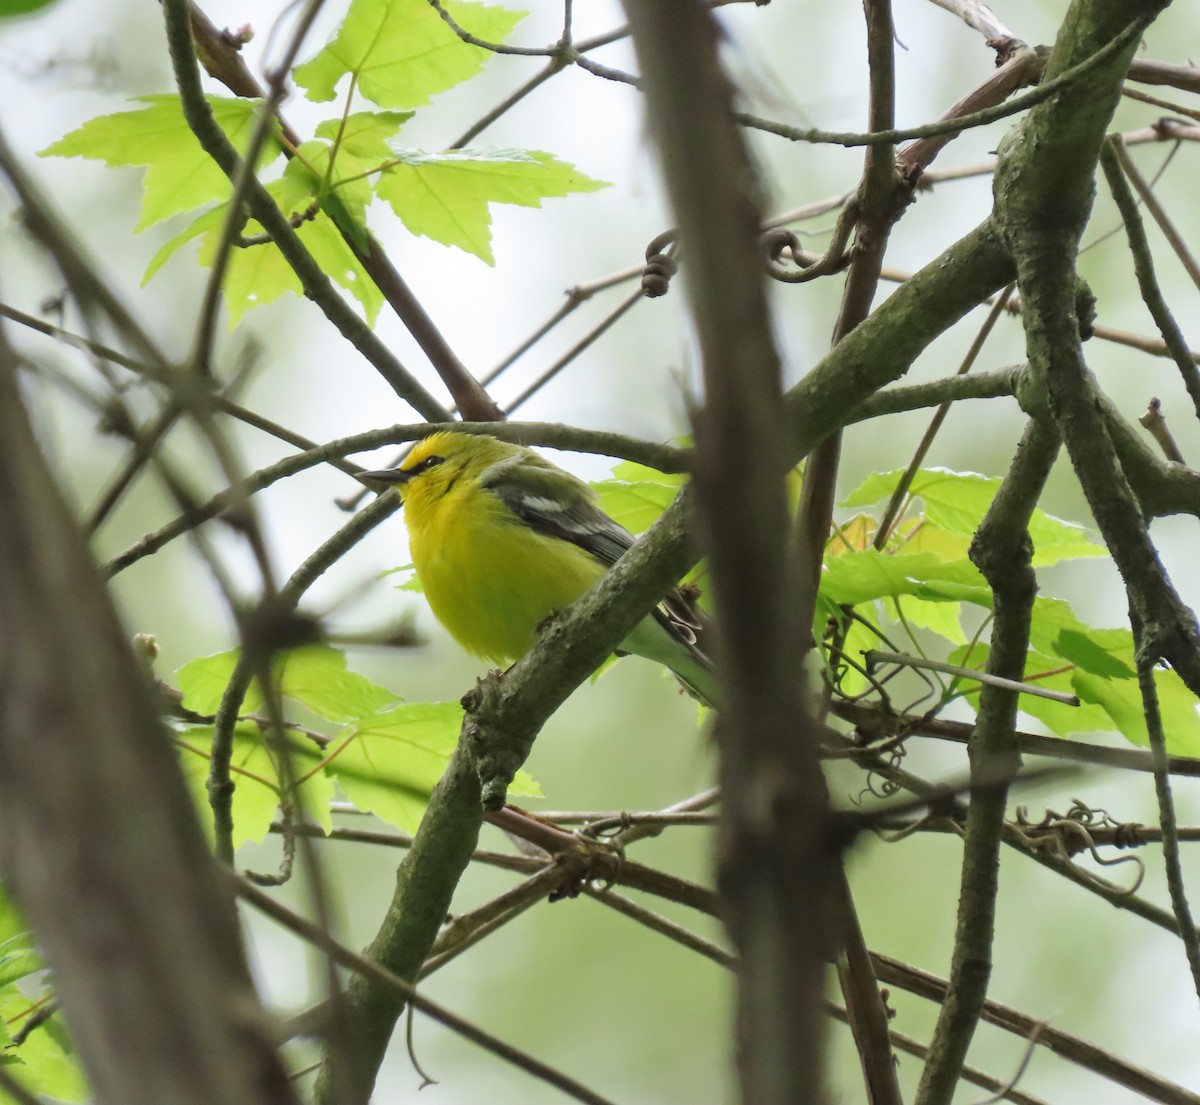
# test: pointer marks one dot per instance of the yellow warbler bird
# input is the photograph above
(501, 538)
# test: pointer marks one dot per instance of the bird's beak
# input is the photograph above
(389, 476)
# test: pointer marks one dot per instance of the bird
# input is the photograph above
(502, 539)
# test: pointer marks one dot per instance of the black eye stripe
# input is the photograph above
(429, 462)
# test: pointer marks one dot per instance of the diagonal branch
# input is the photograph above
(1166, 813)
(1044, 189)
(1116, 165)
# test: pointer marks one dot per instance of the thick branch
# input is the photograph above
(776, 869)
(1044, 187)
(1003, 553)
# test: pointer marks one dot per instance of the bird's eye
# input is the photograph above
(428, 463)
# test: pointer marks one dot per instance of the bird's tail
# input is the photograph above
(661, 639)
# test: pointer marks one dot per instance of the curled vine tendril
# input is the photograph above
(1067, 835)
(660, 265)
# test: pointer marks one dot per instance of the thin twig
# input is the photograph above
(627, 304)
(1072, 1048)
(896, 503)
(1145, 98)
(1015, 106)
(462, 933)
(986, 678)
(878, 724)
(384, 978)
(220, 402)
(1166, 809)
(906, 1043)
(660, 924)
(979, 17)
(552, 435)
(1155, 424)
(1118, 167)
(316, 284)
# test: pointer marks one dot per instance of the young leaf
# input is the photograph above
(1062, 720)
(256, 788)
(308, 173)
(365, 134)
(1056, 631)
(208, 220)
(390, 762)
(635, 505)
(45, 1064)
(858, 639)
(203, 682)
(924, 536)
(629, 471)
(1121, 699)
(179, 176)
(258, 274)
(401, 52)
(19, 958)
(11, 922)
(10, 8)
(864, 576)
(957, 502)
(445, 196)
(938, 616)
(853, 535)
(316, 676)
(257, 793)
(1089, 653)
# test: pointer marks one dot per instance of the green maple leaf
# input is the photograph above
(257, 785)
(390, 762)
(338, 167)
(957, 501)
(315, 676)
(445, 196)
(365, 134)
(636, 504)
(179, 176)
(259, 274)
(46, 1064)
(401, 52)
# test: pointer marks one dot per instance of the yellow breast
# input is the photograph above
(489, 578)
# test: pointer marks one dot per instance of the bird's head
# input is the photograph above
(436, 463)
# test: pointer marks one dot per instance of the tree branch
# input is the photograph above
(1002, 551)
(1044, 187)
(1115, 163)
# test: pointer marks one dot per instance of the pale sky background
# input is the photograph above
(634, 1016)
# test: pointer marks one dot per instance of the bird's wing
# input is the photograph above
(555, 503)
